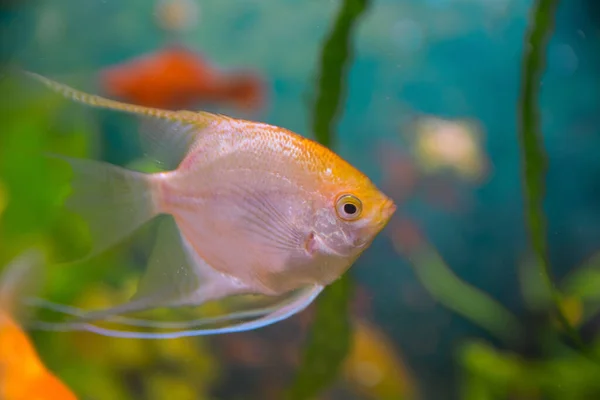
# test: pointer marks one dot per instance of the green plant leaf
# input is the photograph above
(462, 298)
(534, 161)
(329, 339)
(328, 343)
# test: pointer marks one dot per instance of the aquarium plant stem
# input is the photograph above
(329, 339)
(533, 155)
(334, 69)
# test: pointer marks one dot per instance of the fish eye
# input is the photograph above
(348, 207)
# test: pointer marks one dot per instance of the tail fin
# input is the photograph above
(113, 201)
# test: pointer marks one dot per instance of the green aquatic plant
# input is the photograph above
(329, 339)
(494, 374)
(328, 344)
(562, 373)
(33, 191)
(462, 298)
(534, 160)
(558, 371)
(334, 61)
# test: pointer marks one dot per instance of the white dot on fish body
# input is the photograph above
(234, 279)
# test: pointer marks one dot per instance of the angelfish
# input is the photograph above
(255, 209)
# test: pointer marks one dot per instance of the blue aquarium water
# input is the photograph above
(408, 63)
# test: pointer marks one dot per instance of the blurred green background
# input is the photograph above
(451, 300)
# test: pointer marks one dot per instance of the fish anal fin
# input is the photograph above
(178, 277)
(175, 276)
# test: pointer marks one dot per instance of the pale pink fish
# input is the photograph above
(255, 209)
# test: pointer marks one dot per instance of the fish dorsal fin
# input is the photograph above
(182, 136)
(166, 136)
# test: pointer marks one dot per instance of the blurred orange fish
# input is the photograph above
(254, 209)
(178, 78)
(23, 376)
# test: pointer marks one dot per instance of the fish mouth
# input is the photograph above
(387, 210)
